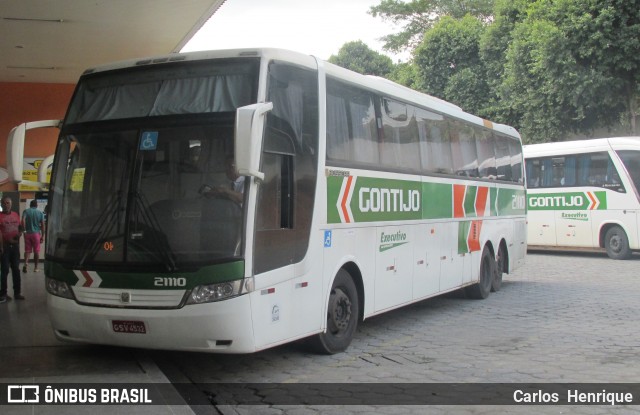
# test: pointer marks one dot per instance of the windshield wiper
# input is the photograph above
(103, 226)
(159, 239)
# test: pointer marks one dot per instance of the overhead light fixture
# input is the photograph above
(29, 19)
(45, 68)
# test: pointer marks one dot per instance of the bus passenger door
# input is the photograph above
(394, 266)
(573, 228)
(426, 262)
(542, 227)
(451, 263)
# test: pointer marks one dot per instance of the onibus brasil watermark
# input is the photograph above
(77, 394)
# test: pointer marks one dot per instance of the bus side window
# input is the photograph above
(569, 173)
(486, 148)
(597, 169)
(435, 149)
(557, 172)
(534, 171)
(463, 149)
(503, 158)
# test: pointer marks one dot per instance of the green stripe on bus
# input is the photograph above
(356, 199)
(463, 235)
(437, 200)
(568, 201)
(211, 274)
(470, 201)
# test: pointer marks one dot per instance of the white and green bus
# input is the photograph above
(356, 196)
(584, 195)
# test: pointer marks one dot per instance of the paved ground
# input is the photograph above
(561, 318)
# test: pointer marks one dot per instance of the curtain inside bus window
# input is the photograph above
(547, 173)
(435, 148)
(534, 169)
(503, 158)
(584, 165)
(201, 95)
(569, 171)
(515, 152)
(365, 134)
(355, 106)
(463, 150)
(399, 147)
(485, 145)
(338, 143)
(184, 88)
(113, 102)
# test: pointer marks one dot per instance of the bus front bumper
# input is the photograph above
(220, 327)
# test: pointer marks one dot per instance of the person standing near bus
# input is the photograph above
(33, 224)
(11, 230)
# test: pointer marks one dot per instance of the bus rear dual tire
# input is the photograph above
(482, 288)
(343, 313)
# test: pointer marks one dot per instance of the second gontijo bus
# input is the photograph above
(359, 196)
(584, 194)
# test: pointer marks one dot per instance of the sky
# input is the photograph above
(313, 27)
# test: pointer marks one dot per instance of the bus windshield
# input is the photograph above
(151, 190)
(631, 160)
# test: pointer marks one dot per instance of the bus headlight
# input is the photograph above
(221, 291)
(58, 288)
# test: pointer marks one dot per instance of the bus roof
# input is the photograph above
(373, 83)
(581, 146)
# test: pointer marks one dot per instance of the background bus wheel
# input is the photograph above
(482, 288)
(617, 243)
(342, 316)
(496, 283)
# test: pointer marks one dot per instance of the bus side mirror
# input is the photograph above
(248, 138)
(43, 169)
(15, 148)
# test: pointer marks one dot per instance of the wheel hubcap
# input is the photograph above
(615, 244)
(339, 311)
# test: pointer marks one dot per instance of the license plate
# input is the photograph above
(127, 326)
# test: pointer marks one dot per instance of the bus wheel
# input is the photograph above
(342, 316)
(482, 288)
(496, 283)
(617, 243)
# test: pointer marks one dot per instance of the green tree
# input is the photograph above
(497, 37)
(572, 66)
(449, 64)
(407, 74)
(358, 57)
(417, 16)
(604, 36)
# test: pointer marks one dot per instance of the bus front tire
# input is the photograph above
(342, 317)
(482, 288)
(616, 243)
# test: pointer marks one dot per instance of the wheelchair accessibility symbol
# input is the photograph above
(149, 140)
(327, 239)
